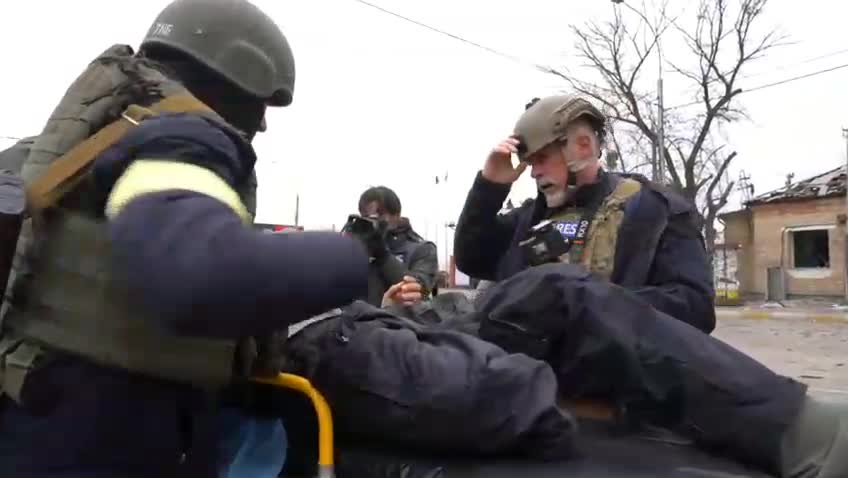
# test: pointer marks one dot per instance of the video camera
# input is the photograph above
(544, 245)
(360, 226)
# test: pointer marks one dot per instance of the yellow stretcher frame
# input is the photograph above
(326, 450)
(326, 464)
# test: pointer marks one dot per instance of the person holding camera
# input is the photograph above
(623, 228)
(398, 253)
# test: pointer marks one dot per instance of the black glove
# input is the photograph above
(372, 232)
(375, 242)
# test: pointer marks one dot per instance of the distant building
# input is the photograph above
(790, 242)
(277, 227)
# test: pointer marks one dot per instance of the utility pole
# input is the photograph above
(297, 210)
(660, 122)
(845, 275)
(845, 135)
(746, 187)
(658, 166)
(447, 255)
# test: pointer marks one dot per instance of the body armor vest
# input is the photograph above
(595, 248)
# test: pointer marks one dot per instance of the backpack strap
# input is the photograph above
(66, 172)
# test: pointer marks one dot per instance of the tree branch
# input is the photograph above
(719, 174)
(720, 40)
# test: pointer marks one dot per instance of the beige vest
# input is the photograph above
(597, 251)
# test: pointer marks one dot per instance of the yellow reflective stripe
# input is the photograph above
(150, 176)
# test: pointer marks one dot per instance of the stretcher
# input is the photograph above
(604, 450)
(323, 415)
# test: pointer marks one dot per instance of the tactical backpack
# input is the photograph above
(12, 203)
(99, 107)
(116, 92)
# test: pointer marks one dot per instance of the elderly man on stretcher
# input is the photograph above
(502, 380)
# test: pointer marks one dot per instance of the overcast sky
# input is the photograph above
(381, 101)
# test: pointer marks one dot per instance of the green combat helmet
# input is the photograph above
(545, 121)
(233, 38)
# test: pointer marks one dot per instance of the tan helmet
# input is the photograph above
(545, 121)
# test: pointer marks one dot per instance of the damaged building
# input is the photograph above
(790, 242)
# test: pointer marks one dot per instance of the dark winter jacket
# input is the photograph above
(409, 255)
(199, 271)
(661, 256)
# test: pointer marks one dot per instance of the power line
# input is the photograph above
(776, 83)
(455, 37)
(800, 77)
(544, 69)
(434, 29)
(798, 63)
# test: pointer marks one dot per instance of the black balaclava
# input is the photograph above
(238, 108)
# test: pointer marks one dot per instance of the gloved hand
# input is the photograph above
(375, 242)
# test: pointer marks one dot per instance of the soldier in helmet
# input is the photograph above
(151, 294)
(624, 229)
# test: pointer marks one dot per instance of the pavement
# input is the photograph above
(812, 351)
(836, 314)
(805, 339)
(815, 310)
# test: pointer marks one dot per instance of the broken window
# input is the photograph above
(811, 249)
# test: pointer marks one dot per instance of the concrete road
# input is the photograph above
(812, 352)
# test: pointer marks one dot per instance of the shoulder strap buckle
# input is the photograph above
(17, 360)
(63, 174)
(135, 114)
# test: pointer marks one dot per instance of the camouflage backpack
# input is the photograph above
(115, 93)
(112, 95)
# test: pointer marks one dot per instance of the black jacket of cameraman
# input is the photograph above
(402, 252)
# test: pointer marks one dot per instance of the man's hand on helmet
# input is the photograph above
(499, 167)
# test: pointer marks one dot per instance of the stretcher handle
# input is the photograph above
(326, 466)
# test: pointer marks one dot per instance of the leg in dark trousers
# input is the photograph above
(602, 339)
(430, 388)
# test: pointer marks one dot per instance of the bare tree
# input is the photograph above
(716, 194)
(720, 44)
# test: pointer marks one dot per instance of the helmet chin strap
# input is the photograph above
(577, 165)
(574, 167)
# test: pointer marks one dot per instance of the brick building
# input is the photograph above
(791, 242)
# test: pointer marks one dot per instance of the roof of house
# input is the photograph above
(827, 184)
(735, 212)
